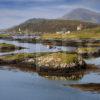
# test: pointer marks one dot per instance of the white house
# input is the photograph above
(19, 30)
(79, 28)
(68, 32)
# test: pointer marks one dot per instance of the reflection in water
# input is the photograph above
(19, 68)
(93, 87)
(69, 76)
(95, 61)
(73, 75)
(25, 86)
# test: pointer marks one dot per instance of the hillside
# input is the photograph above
(49, 25)
(83, 15)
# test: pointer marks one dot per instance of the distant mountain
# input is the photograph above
(49, 25)
(83, 15)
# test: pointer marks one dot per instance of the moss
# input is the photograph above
(65, 58)
(62, 57)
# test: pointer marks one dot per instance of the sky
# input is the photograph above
(14, 12)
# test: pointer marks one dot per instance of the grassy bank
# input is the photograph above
(8, 47)
(87, 50)
(5, 35)
(19, 57)
(84, 34)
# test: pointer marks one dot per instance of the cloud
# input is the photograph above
(13, 12)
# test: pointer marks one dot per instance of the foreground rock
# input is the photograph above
(8, 47)
(60, 63)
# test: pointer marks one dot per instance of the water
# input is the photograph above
(30, 48)
(95, 61)
(16, 84)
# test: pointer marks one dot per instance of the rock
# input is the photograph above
(88, 51)
(60, 62)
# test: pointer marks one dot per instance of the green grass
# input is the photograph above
(64, 57)
(6, 45)
(93, 44)
(21, 56)
(17, 57)
(4, 35)
(84, 34)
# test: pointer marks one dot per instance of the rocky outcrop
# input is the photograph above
(88, 51)
(60, 62)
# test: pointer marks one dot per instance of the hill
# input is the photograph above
(82, 14)
(49, 25)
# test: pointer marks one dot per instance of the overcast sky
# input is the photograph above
(13, 12)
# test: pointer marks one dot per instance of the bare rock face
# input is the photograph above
(59, 62)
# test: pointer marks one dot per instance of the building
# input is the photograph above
(79, 27)
(19, 30)
(68, 32)
(60, 32)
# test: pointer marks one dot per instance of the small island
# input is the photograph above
(60, 62)
(9, 47)
(88, 51)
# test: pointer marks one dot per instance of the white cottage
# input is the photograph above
(79, 28)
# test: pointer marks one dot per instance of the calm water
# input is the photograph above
(30, 48)
(18, 85)
(21, 85)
